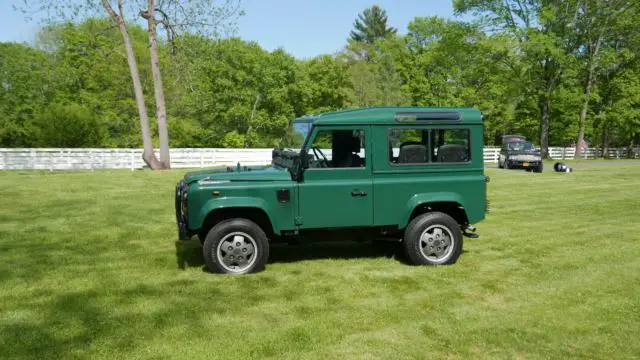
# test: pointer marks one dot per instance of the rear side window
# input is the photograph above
(450, 146)
(423, 146)
(408, 146)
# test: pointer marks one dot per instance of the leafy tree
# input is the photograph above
(527, 64)
(25, 88)
(174, 15)
(239, 86)
(371, 25)
(66, 126)
(89, 69)
(600, 24)
(327, 79)
(542, 30)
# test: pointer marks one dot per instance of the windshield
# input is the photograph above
(294, 137)
(520, 146)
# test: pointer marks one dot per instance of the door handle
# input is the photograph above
(358, 193)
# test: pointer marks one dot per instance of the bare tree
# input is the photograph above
(205, 17)
(176, 16)
(148, 155)
(158, 89)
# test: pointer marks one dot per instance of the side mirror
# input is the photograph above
(301, 164)
(304, 161)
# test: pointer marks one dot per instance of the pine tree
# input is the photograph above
(371, 25)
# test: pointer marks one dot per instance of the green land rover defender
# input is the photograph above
(413, 175)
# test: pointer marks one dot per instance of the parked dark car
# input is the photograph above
(518, 153)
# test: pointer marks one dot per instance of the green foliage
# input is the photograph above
(70, 125)
(25, 88)
(326, 83)
(519, 62)
(233, 140)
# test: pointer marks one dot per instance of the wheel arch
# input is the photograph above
(451, 204)
(253, 209)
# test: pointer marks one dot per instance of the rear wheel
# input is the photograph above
(433, 239)
(236, 246)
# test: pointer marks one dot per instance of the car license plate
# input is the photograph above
(525, 164)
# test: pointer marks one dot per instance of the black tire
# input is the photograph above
(538, 168)
(506, 164)
(500, 166)
(253, 239)
(433, 220)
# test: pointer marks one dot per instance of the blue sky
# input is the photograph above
(304, 28)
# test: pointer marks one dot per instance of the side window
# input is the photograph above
(408, 146)
(338, 149)
(450, 146)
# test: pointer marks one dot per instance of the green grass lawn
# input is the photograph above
(89, 268)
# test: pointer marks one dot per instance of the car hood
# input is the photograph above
(266, 174)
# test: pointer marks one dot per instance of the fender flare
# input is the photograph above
(233, 202)
(426, 198)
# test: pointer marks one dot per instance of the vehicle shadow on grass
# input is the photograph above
(189, 253)
(283, 253)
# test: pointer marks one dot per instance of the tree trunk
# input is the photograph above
(148, 155)
(605, 141)
(587, 92)
(161, 111)
(545, 114)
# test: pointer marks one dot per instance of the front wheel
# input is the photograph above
(433, 239)
(236, 246)
(538, 168)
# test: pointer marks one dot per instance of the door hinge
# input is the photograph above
(298, 220)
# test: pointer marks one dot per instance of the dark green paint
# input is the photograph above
(323, 197)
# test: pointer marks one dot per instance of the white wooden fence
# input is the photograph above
(559, 153)
(89, 159)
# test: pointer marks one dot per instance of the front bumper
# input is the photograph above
(181, 211)
(524, 164)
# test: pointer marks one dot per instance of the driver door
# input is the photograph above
(337, 188)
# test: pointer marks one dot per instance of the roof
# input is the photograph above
(510, 138)
(388, 115)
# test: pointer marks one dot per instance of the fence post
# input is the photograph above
(133, 160)
(201, 159)
(2, 160)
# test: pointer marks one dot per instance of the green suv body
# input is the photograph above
(415, 175)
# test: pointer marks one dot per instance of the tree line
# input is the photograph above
(554, 71)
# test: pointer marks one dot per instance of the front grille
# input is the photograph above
(181, 209)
